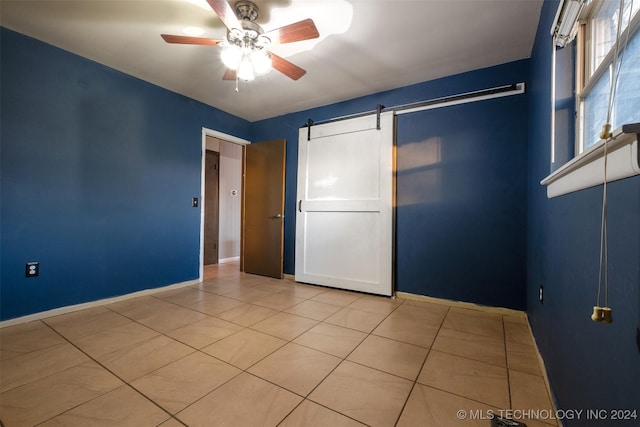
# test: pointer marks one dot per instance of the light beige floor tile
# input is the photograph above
(474, 322)
(472, 346)
(248, 294)
(85, 322)
(246, 280)
(185, 296)
(179, 384)
(26, 337)
(204, 332)
(157, 314)
(429, 313)
(359, 320)
(244, 348)
(515, 319)
(244, 401)
(518, 333)
(38, 364)
(43, 399)
(529, 392)
(171, 318)
(331, 339)
(304, 291)
(393, 357)
(171, 422)
(415, 323)
(216, 304)
(142, 358)
(115, 338)
(309, 414)
(367, 395)
(120, 407)
(246, 314)
(334, 297)
(296, 368)
(523, 358)
(376, 304)
(468, 378)
(284, 325)
(139, 307)
(273, 285)
(407, 329)
(279, 301)
(314, 310)
(219, 286)
(430, 407)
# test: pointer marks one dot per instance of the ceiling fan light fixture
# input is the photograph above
(245, 69)
(261, 62)
(231, 56)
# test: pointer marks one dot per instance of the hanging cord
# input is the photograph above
(606, 136)
(604, 253)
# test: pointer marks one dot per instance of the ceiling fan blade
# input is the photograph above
(229, 74)
(302, 30)
(189, 40)
(287, 68)
(225, 12)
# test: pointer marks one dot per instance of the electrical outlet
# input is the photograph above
(32, 269)
(194, 202)
(541, 294)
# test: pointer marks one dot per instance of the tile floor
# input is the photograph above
(244, 350)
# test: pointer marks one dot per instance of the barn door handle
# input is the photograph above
(299, 205)
(276, 216)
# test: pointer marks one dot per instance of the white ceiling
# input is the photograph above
(366, 46)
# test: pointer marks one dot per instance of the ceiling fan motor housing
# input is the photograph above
(250, 33)
(247, 10)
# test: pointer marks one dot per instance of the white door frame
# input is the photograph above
(220, 135)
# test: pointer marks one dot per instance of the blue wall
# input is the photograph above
(590, 365)
(98, 173)
(461, 218)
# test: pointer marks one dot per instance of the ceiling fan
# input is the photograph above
(245, 51)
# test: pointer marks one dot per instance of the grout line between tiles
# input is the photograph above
(415, 381)
(506, 358)
(106, 369)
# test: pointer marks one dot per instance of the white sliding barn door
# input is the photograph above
(344, 222)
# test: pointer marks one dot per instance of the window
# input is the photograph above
(596, 71)
(607, 55)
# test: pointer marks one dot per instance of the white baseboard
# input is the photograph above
(71, 308)
(232, 259)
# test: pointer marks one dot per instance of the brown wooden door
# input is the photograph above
(211, 207)
(263, 208)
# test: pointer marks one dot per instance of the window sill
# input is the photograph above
(587, 169)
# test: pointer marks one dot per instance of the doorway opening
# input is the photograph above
(211, 207)
(220, 210)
